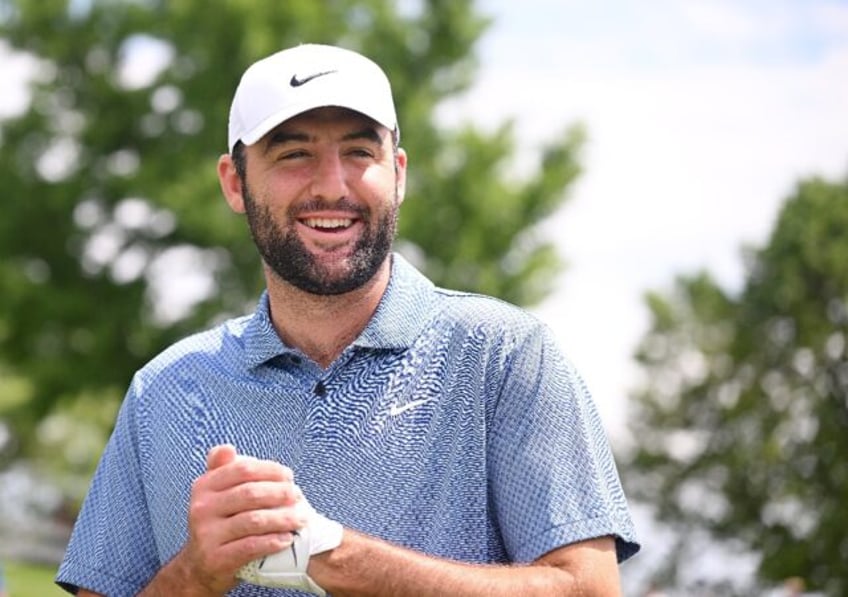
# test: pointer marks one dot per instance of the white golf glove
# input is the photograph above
(287, 568)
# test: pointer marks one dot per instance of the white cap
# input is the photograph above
(308, 76)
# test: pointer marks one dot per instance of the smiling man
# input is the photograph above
(326, 229)
(363, 432)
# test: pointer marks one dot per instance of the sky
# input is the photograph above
(702, 115)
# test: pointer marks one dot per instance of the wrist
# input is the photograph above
(336, 570)
(180, 577)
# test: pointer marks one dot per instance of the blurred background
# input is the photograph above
(666, 186)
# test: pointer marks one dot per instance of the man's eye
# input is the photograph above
(360, 153)
(292, 155)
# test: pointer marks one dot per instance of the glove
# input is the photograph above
(287, 568)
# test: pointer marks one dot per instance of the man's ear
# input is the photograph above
(230, 183)
(400, 168)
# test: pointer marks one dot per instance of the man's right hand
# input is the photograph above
(241, 508)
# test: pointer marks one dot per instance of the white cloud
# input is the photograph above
(831, 17)
(727, 19)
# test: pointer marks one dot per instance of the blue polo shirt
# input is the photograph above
(452, 425)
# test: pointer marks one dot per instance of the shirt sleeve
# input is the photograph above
(553, 478)
(112, 550)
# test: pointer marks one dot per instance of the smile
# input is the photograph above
(328, 223)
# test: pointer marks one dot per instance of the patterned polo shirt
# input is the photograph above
(452, 425)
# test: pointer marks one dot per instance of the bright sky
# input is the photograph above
(701, 117)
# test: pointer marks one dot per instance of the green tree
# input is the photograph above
(742, 422)
(111, 194)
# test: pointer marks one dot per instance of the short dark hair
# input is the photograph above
(240, 161)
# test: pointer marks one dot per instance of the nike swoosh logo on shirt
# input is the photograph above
(396, 409)
(295, 82)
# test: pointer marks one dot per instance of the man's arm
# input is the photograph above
(363, 565)
(230, 524)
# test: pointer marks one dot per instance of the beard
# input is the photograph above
(284, 252)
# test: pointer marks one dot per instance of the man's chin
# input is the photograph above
(324, 281)
(327, 271)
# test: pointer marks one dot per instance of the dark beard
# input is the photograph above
(289, 259)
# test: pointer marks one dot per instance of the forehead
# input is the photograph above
(341, 118)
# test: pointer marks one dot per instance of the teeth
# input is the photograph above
(328, 222)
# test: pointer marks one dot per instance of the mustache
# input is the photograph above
(342, 204)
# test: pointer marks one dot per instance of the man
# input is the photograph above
(448, 446)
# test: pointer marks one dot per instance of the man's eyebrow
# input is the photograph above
(368, 133)
(281, 137)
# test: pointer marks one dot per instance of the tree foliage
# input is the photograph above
(111, 200)
(742, 423)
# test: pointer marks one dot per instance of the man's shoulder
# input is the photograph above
(480, 309)
(414, 305)
(222, 342)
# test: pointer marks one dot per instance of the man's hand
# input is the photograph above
(241, 509)
(288, 568)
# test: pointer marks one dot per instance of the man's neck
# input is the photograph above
(323, 326)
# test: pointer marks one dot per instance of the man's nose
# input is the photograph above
(329, 179)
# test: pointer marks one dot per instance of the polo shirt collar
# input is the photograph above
(400, 317)
(404, 310)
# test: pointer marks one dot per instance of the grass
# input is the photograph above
(30, 580)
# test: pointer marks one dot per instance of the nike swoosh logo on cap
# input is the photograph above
(295, 82)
